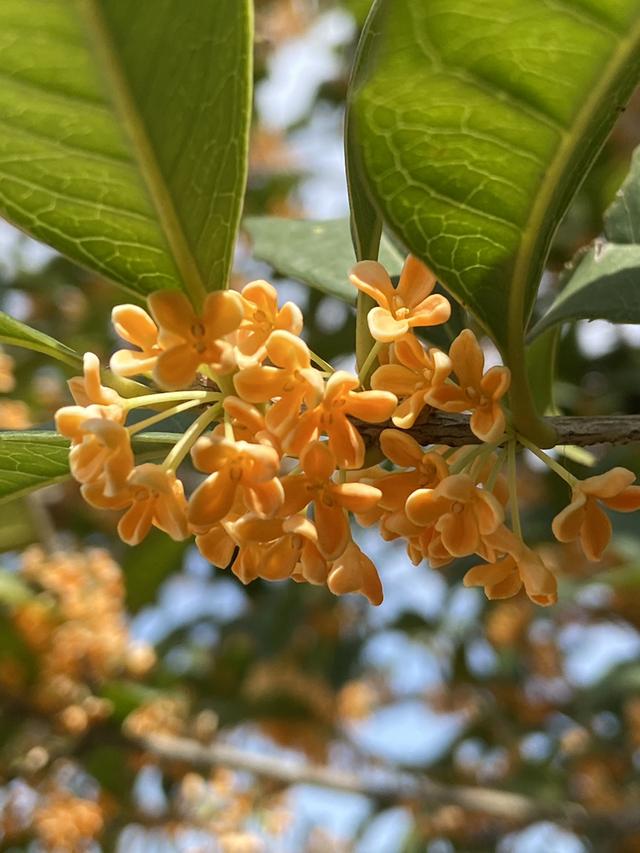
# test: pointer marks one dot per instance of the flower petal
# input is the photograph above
(416, 281)
(384, 327)
(434, 311)
(400, 448)
(172, 311)
(371, 278)
(468, 359)
(595, 532)
(371, 406)
(212, 500)
(135, 326)
(176, 367)
(222, 313)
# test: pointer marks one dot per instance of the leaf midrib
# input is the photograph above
(124, 102)
(529, 242)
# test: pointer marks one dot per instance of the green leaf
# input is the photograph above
(15, 333)
(18, 528)
(476, 123)
(123, 134)
(541, 368)
(317, 253)
(35, 459)
(604, 286)
(622, 219)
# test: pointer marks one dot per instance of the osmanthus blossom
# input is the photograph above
(188, 340)
(330, 417)
(331, 500)
(515, 566)
(477, 392)
(88, 388)
(156, 498)
(289, 379)
(262, 316)
(410, 305)
(411, 374)
(277, 440)
(233, 466)
(460, 511)
(585, 520)
(136, 327)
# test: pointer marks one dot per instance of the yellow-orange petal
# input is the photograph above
(222, 312)
(433, 311)
(539, 583)
(400, 448)
(289, 318)
(134, 325)
(424, 507)
(416, 281)
(495, 383)
(459, 532)
(333, 529)
(136, 523)
(210, 454)
(288, 351)
(317, 461)
(346, 443)
(467, 359)
(627, 501)
(356, 497)
(265, 499)
(371, 277)
(127, 362)
(609, 484)
(408, 411)
(567, 523)
(172, 312)
(216, 546)
(212, 500)
(595, 532)
(371, 406)
(384, 327)
(353, 571)
(396, 378)
(176, 367)
(488, 423)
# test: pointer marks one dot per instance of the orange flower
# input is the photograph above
(330, 416)
(291, 547)
(353, 571)
(504, 576)
(330, 500)
(583, 519)
(460, 511)
(262, 316)
(234, 465)
(414, 374)
(480, 394)
(403, 308)
(135, 326)
(427, 469)
(105, 451)
(216, 545)
(71, 419)
(248, 423)
(89, 389)
(157, 498)
(293, 380)
(188, 341)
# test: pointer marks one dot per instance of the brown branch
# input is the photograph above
(454, 431)
(387, 785)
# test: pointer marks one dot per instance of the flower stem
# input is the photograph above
(177, 454)
(368, 362)
(473, 454)
(163, 415)
(321, 362)
(170, 397)
(513, 488)
(551, 463)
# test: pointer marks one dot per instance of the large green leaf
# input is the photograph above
(622, 219)
(319, 254)
(34, 459)
(123, 134)
(475, 124)
(15, 333)
(604, 286)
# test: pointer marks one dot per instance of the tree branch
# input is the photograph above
(454, 431)
(387, 786)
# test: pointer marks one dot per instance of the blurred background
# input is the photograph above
(101, 644)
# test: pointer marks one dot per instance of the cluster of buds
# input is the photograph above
(276, 437)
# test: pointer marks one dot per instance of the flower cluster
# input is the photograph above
(277, 439)
(76, 628)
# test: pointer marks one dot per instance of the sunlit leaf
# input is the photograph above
(123, 134)
(15, 333)
(622, 219)
(35, 459)
(476, 123)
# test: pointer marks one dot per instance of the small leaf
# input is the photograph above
(541, 369)
(319, 254)
(622, 219)
(15, 333)
(34, 459)
(124, 134)
(475, 124)
(604, 286)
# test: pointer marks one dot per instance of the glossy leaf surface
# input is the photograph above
(123, 134)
